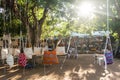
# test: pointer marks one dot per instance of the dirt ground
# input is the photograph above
(82, 68)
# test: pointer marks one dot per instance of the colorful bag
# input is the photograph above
(109, 57)
(50, 57)
(22, 60)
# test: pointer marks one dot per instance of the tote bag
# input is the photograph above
(4, 53)
(22, 61)
(109, 57)
(60, 50)
(28, 52)
(37, 51)
(50, 57)
(10, 60)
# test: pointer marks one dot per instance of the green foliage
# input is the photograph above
(62, 17)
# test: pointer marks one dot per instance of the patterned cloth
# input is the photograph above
(22, 61)
(109, 57)
(50, 57)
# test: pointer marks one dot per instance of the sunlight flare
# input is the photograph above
(86, 9)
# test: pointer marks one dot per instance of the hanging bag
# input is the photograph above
(4, 53)
(109, 57)
(60, 49)
(22, 61)
(37, 51)
(10, 60)
(50, 57)
(28, 53)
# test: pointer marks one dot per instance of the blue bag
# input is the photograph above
(109, 57)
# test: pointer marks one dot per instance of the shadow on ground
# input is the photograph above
(82, 68)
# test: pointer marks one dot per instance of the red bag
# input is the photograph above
(22, 61)
(50, 57)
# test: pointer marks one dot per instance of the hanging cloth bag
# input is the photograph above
(109, 57)
(50, 57)
(28, 53)
(22, 61)
(37, 51)
(4, 53)
(60, 49)
(10, 60)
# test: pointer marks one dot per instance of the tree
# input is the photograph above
(32, 14)
(116, 19)
(39, 16)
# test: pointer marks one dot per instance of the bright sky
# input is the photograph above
(86, 9)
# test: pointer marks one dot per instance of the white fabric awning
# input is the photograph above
(100, 33)
(79, 34)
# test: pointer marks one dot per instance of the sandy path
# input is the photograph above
(82, 68)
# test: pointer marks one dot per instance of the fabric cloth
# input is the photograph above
(109, 57)
(50, 57)
(60, 50)
(28, 52)
(10, 60)
(4, 53)
(22, 61)
(37, 51)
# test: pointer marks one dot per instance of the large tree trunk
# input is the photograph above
(34, 29)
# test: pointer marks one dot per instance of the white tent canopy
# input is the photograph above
(100, 33)
(79, 34)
